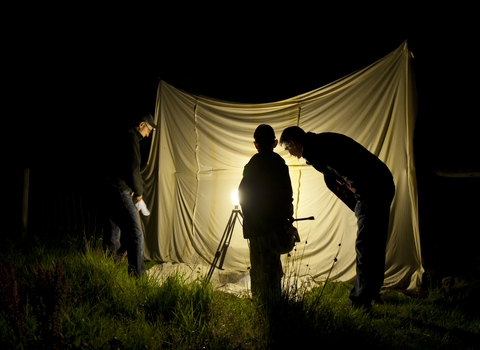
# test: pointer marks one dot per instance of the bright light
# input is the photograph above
(235, 198)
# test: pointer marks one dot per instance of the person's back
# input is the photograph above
(123, 170)
(266, 193)
(350, 161)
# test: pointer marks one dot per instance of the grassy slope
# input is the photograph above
(70, 295)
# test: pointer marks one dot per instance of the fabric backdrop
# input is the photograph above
(202, 144)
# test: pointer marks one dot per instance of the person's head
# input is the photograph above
(292, 140)
(265, 139)
(146, 125)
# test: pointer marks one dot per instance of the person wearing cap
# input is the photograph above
(365, 184)
(265, 195)
(124, 188)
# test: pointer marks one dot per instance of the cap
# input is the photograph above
(149, 119)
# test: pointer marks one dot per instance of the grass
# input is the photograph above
(70, 295)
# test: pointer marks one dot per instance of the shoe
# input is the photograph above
(367, 306)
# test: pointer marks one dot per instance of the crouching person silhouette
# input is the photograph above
(365, 184)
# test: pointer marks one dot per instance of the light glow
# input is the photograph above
(235, 198)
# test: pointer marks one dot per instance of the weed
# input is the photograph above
(10, 301)
(49, 294)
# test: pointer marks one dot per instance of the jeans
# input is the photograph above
(372, 221)
(266, 269)
(125, 234)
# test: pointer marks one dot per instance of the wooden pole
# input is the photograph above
(26, 186)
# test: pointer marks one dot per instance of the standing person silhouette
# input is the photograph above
(265, 195)
(124, 189)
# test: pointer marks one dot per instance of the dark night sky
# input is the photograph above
(76, 79)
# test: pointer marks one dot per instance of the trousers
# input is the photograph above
(125, 233)
(372, 231)
(266, 269)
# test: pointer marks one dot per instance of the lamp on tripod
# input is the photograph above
(227, 236)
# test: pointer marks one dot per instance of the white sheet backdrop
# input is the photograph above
(202, 144)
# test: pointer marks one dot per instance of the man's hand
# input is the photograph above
(136, 199)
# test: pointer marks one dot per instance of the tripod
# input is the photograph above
(225, 241)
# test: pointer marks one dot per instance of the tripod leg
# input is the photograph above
(224, 243)
(228, 238)
(220, 247)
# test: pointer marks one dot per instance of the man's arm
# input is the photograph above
(342, 192)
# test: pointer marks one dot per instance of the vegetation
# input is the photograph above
(71, 295)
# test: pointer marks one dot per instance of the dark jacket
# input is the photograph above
(123, 169)
(351, 171)
(265, 194)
